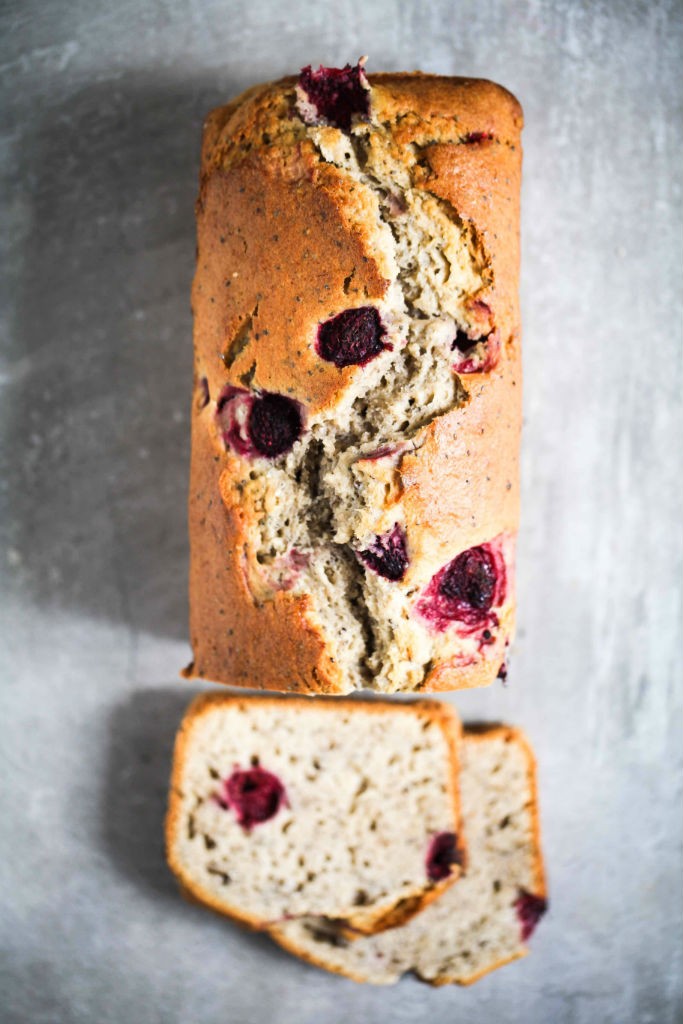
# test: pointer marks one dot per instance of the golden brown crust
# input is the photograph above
(462, 484)
(300, 232)
(225, 620)
(451, 675)
(370, 923)
(271, 210)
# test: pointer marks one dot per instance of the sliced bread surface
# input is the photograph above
(289, 807)
(482, 922)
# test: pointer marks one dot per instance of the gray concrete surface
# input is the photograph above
(102, 105)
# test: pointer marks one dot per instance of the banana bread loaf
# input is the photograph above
(482, 922)
(356, 414)
(282, 807)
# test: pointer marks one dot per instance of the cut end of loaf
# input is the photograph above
(282, 808)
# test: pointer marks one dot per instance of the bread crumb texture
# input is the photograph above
(482, 921)
(356, 411)
(283, 808)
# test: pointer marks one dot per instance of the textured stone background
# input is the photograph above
(102, 106)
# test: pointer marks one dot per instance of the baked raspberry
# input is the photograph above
(473, 137)
(274, 424)
(334, 95)
(254, 794)
(388, 555)
(266, 424)
(463, 342)
(470, 579)
(351, 338)
(466, 590)
(530, 909)
(480, 354)
(443, 853)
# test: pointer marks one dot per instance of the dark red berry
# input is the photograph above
(466, 590)
(530, 909)
(470, 579)
(503, 672)
(274, 424)
(265, 424)
(463, 342)
(443, 853)
(254, 794)
(475, 137)
(351, 338)
(337, 95)
(387, 555)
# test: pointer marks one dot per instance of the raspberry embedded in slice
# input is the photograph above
(388, 555)
(264, 424)
(334, 95)
(530, 909)
(254, 794)
(351, 338)
(443, 853)
(466, 590)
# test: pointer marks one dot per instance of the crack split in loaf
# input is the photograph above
(282, 807)
(354, 481)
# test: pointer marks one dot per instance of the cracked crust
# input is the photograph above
(426, 945)
(287, 239)
(308, 718)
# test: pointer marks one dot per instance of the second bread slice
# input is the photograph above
(485, 920)
(285, 807)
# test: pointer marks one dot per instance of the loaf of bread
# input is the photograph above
(354, 478)
(282, 807)
(482, 922)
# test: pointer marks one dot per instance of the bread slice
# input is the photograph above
(482, 922)
(285, 807)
